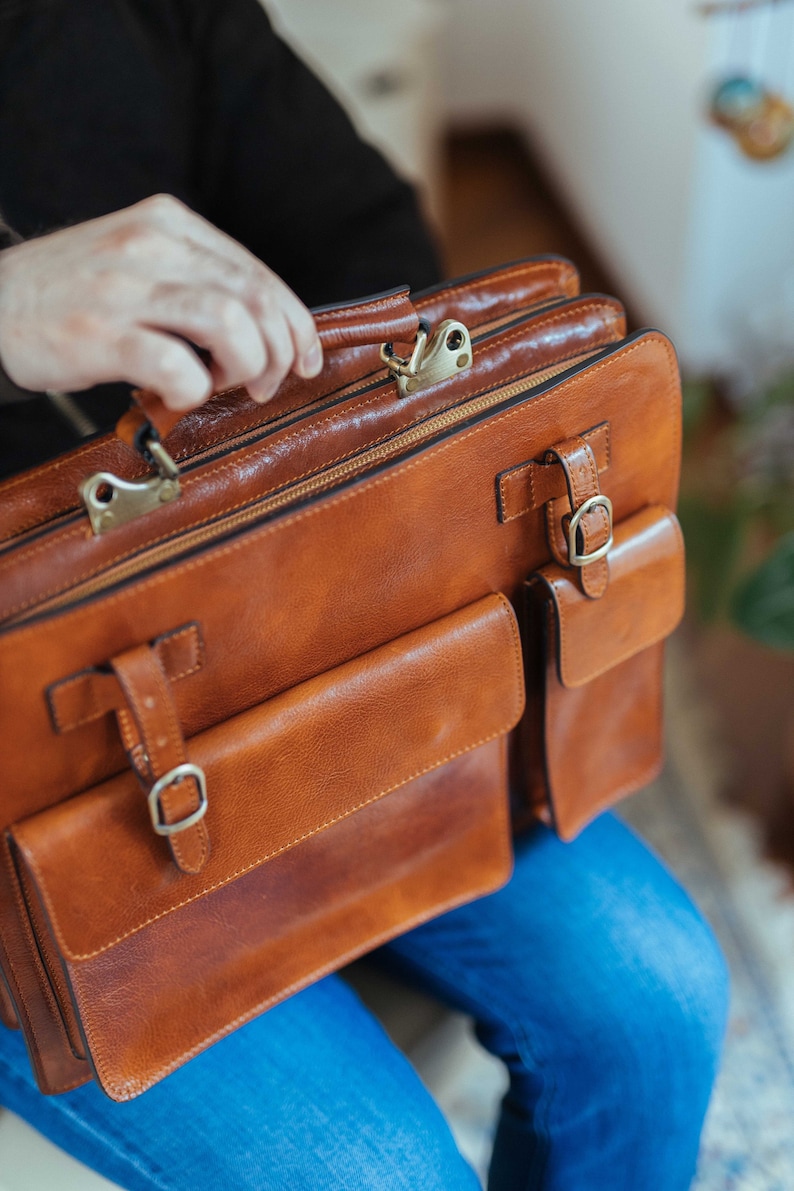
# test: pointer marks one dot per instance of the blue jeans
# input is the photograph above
(590, 975)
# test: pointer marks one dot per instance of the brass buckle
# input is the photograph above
(433, 359)
(177, 774)
(593, 502)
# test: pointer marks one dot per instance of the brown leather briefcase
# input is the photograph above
(276, 681)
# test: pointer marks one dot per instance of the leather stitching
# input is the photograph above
(565, 275)
(55, 691)
(197, 643)
(186, 566)
(602, 429)
(558, 583)
(84, 531)
(148, 722)
(506, 622)
(33, 955)
(134, 1086)
(643, 775)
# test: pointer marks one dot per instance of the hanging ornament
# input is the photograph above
(758, 117)
(736, 101)
(770, 131)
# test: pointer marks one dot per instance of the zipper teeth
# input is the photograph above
(206, 454)
(326, 479)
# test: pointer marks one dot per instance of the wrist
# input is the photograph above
(10, 391)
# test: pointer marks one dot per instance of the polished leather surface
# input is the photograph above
(39, 1015)
(382, 319)
(532, 484)
(453, 687)
(578, 464)
(599, 691)
(154, 743)
(92, 693)
(8, 1016)
(45, 492)
(643, 604)
(603, 740)
(400, 547)
(290, 447)
(334, 524)
(438, 841)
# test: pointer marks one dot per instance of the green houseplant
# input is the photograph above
(737, 509)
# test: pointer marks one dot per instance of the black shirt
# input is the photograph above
(102, 104)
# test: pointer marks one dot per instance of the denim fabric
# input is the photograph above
(591, 975)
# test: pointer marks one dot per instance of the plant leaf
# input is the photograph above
(714, 540)
(763, 603)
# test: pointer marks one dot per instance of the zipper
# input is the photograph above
(202, 455)
(320, 481)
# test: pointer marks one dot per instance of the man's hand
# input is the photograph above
(115, 298)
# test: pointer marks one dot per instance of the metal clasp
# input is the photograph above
(592, 502)
(112, 501)
(432, 359)
(174, 776)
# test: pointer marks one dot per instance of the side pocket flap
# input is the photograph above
(642, 605)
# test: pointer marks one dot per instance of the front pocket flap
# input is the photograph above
(280, 773)
(642, 605)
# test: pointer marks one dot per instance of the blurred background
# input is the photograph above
(652, 144)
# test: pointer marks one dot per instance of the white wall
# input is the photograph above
(738, 292)
(611, 98)
(482, 58)
(612, 94)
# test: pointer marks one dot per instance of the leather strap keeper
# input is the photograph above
(530, 485)
(87, 696)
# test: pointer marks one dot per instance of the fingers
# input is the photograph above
(216, 321)
(152, 360)
(244, 351)
(212, 258)
(306, 341)
(113, 298)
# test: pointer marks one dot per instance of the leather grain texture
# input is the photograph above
(388, 318)
(643, 604)
(599, 685)
(8, 1015)
(51, 489)
(322, 623)
(454, 688)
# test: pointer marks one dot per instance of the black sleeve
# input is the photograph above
(94, 107)
(103, 104)
(285, 173)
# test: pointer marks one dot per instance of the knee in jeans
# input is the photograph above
(674, 1007)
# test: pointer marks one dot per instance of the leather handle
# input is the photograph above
(384, 318)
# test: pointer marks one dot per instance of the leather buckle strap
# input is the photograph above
(176, 789)
(579, 525)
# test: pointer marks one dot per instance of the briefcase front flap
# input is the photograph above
(643, 603)
(279, 774)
